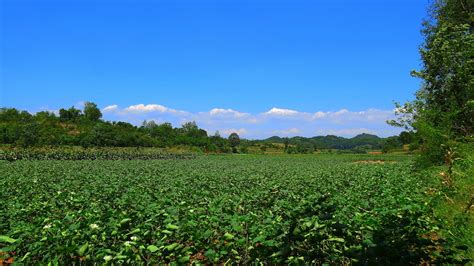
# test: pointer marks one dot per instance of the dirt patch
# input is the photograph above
(197, 257)
(374, 152)
(6, 261)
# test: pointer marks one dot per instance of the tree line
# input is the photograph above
(361, 143)
(86, 128)
(75, 127)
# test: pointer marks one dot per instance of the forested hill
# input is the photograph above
(365, 140)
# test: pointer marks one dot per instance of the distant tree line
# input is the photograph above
(86, 128)
(361, 143)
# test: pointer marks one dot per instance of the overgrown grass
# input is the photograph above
(452, 204)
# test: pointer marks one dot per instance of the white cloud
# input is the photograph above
(281, 112)
(226, 112)
(110, 108)
(341, 112)
(260, 125)
(319, 115)
(139, 108)
(142, 108)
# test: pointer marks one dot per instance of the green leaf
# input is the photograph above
(210, 254)
(125, 221)
(184, 259)
(336, 239)
(152, 248)
(368, 243)
(168, 232)
(134, 231)
(7, 239)
(171, 247)
(229, 236)
(172, 227)
(26, 256)
(83, 249)
(276, 254)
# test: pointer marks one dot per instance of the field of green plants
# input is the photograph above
(78, 153)
(217, 209)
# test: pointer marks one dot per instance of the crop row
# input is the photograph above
(90, 154)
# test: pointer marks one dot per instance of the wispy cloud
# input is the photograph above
(226, 112)
(276, 121)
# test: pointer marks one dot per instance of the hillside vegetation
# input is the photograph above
(74, 127)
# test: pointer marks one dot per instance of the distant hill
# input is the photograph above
(332, 142)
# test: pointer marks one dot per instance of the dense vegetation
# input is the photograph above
(359, 143)
(74, 127)
(76, 153)
(59, 206)
(214, 209)
(442, 115)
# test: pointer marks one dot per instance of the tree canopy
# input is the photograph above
(75, 127)
(91, 112)
(86, 128)
(443, 110)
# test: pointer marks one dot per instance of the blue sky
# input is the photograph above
(196, 56)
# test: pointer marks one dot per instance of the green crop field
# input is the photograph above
(308, 208)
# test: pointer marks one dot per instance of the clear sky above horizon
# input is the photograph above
(261, 67)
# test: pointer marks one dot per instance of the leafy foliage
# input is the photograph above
(444, 107)
(91, 112)
(85, 128)
(90, 154)
(360, 143)
(234, 141)
(216, 209)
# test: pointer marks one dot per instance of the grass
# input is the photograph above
(452, 205)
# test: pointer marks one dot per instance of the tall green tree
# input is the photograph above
(69, 115)
(286, 141)
(444, 106)
(234, 141)
(91, 112)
